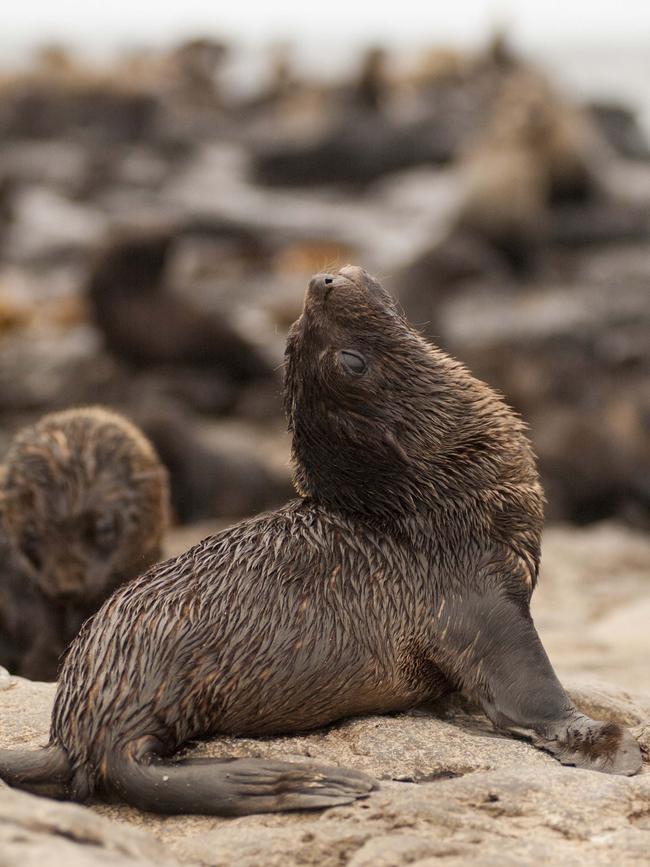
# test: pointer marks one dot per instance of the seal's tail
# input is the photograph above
(43, 772)
(233, 787)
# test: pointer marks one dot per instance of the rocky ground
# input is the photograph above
(452, 791)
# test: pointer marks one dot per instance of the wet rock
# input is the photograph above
(367, 129)
(603, 221)
(56, 163)
(359, 150)
(7, 192)
(75, 103)
(202, 391)
(52, 368)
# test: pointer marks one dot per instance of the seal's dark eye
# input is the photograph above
(101, 531)
(353, 362)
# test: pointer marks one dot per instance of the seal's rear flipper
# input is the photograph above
(42, 772)
(489, 645)
(234, 787)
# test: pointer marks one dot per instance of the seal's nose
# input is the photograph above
(320, 285)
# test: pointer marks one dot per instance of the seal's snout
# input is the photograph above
(351, 287)
(321, 285)
(64, 583)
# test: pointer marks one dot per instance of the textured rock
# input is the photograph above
(35, 831)
(451, 787)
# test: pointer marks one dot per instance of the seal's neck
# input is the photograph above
(431, 445)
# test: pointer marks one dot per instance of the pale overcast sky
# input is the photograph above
(537, 23)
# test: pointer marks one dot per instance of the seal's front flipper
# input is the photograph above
(236, 787)
(585, 743)
(490, 647)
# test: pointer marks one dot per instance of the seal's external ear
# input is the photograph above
(391, 440)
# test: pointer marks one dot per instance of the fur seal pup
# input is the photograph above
(371, 90)
(534, 153)
(147, 324)
(84, 503)
(212, 479)
(23, 613)
(404, 570)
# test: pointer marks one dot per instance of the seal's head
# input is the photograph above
(84, 501)
(385, 423)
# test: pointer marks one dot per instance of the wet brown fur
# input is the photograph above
(403, 570)
(84, 503)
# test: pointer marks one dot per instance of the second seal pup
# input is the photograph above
(403, 571)
(84, 503)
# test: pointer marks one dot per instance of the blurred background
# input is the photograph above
(172, 173)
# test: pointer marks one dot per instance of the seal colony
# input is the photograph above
(84, 503)
(403, 571)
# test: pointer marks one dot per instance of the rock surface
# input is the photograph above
(453, 790)
(35, 831)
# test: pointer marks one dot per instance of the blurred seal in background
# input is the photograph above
(84, 503)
